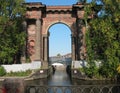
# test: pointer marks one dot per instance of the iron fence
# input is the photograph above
(74, 89)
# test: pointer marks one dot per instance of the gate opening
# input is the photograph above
(60, 44)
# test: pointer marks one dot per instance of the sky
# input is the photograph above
(59, 40)
(55, 2)
(60, 34)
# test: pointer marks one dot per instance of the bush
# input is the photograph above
(20, 73)
(2, 71)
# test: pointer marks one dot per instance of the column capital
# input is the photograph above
(45, 35)
(38, 21)
(24, 23)
(73, 35)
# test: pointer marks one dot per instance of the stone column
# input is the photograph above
(45, 63)
(37, 41)
(23, 56)
(73, 47)
(83, 46)
(81, 39)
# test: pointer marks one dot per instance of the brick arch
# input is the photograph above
(42, 17)
(53, 23)
(47, 23)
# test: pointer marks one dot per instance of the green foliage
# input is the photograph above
(20, 73)
(58, 54)
(103, 38)
(91, 71)
(12, 36)
(2, 71)
(108, 70)
(118, 69)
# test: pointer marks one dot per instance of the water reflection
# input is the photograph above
(36, 82)
(59, 78)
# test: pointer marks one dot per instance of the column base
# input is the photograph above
(23, 59)
(45, 64)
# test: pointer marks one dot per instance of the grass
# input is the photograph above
(20, 73)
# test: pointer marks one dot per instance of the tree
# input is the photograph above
(58, 55)
(82, 1)
(11, 35)
(103, 37)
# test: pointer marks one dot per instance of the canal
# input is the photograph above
(60, 82)
(59, 78)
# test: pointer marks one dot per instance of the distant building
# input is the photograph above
(67, 55)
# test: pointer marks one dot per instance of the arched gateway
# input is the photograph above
(40, 17)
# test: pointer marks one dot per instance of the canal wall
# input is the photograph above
(18, 85)
(41, 73)
(79, 64)
(75, 73)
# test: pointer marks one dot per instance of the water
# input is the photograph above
(59, 78)
(60, 82)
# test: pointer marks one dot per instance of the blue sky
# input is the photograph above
(55, 2)
(59, 40)
(60, 34)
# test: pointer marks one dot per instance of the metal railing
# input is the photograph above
(74, 89)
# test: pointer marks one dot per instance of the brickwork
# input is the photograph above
(38, 34)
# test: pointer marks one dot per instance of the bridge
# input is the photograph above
(60, 59)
